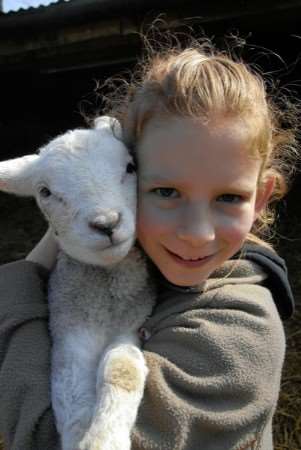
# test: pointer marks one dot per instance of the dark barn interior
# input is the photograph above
(50, 59)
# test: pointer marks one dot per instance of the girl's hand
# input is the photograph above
(45, 252)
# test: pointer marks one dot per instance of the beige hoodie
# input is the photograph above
(215, 356)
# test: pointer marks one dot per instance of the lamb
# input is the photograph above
(100, 291)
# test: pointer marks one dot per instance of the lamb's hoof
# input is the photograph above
(89, 443)
(102, 442)
(126, 369)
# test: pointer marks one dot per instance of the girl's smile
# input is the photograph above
(198, 195)
(190, 262)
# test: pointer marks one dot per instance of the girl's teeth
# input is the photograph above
(191, 259)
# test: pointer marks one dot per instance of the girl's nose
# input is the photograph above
(197, 225)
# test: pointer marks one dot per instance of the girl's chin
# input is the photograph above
(185, 277)
(185, 281)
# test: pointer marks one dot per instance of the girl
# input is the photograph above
(209, 151)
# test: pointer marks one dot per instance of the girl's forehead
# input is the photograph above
(217, 127)
(187, 153)
(182, 138)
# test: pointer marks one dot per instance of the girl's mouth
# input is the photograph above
(189, 262)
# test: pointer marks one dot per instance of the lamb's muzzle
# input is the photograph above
(106, 222)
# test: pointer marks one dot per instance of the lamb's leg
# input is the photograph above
(120, 384)
(75, 359)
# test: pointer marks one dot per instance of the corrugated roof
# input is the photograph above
(8, 9)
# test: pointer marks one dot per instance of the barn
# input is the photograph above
(52, 58)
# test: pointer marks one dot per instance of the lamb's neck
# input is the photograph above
(132, 270)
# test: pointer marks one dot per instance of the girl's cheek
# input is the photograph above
(148, 219)
(236, 229)
(152, 219)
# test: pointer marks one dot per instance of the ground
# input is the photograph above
(21, 225)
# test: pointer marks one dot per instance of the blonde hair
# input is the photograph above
(201, 82)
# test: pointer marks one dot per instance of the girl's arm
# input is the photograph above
(26, 418)
(215, 365)
(45, 252)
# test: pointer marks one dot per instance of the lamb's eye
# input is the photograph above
(44, 192)
(130, 168)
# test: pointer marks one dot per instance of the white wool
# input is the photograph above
(99, 292)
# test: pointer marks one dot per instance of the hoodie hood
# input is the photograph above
(277, 277)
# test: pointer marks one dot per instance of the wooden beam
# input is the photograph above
(102, 41)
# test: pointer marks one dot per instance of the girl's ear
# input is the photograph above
(264, 192)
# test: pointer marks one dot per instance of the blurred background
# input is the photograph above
(54, 54)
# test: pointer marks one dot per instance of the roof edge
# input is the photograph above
(81, 11)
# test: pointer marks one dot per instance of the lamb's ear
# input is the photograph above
(16, 175)
(107, 122)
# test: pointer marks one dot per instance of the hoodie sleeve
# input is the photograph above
(214, 372)
(26, 418)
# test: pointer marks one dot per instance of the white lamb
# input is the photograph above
(99, 292)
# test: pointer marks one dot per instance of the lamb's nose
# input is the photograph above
(105, 223)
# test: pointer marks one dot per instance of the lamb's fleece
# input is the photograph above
(100, 291)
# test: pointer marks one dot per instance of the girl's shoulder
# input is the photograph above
(254, 281)
(276, 275)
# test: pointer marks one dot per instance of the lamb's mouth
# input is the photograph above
(116, 244)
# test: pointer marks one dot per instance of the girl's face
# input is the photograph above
(197, 197)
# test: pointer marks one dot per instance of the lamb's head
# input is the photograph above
(85, 184)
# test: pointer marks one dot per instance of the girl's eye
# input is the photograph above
(230, 198)
(44, 192)
(131, 168)
(166, 192)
